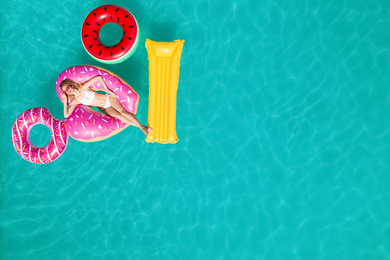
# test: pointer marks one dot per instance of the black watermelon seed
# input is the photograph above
(100, 44)
(129, 38)
(111, 54)
(94, 31)
(122, 48)
(98, 24)
(100, 53)
(111, 17)
(131, 26)
(126, 16)
(104, 19)
(86, 35)
(90, 46)
(118, 19)
(105, 9)
(95, 39)
(123, 25)
(117, 10)
(94, 14)
(87, 23)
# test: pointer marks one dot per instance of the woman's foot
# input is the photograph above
(146, 129)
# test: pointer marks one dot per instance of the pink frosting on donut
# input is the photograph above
(21, 140)
(85, 124)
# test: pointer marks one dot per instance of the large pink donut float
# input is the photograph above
(21, 139)
(87, 125)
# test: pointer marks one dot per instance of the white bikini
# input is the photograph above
(89, 96)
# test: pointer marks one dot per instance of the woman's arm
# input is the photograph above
(68, 112)
(98, 79)
(72, 105)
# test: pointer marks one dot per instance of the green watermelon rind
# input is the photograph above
(122, 59)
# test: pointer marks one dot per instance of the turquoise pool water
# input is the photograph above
(282, 119)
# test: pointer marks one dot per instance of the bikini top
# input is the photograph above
(89, 95)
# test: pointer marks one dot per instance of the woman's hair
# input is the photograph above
(69, 82)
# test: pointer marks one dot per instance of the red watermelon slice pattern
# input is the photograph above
(95, 21)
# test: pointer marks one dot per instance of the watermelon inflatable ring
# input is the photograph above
(96, 20)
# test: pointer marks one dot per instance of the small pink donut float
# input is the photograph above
(86, 124)
(21, 139)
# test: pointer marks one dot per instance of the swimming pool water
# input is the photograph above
(282, 119)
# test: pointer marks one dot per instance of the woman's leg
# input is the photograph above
(114, 113)
(118, 107)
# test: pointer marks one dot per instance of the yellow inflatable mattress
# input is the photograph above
(164, 64)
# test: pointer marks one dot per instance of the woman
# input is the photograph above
(108, 104)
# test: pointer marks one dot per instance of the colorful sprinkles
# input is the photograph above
(21, 140)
